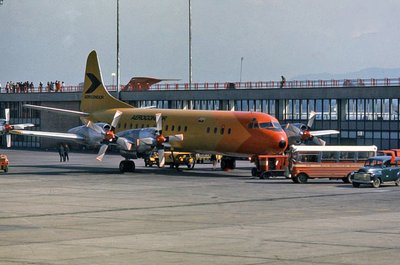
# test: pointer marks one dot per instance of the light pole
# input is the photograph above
(241, 68)
(113, 76)
(118, 64)
(190, 45)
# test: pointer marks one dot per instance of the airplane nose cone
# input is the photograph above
(282, 144)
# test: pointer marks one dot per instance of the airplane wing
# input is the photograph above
(62, 111)
(323, 132)
(53, 135)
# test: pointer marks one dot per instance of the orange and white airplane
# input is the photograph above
(138, 132)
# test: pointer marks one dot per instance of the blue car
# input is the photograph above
(376, 171)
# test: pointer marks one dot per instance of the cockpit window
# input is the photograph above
(264, 125)
(270, 125)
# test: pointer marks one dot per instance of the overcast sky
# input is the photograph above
(46, 40)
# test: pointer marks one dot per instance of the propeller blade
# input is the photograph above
(311, 119)
(116, 118)
(161, 157)
(158, 122)
(292, 130)
(124, 143)
(8, 140)
(94, 127)
(318, 141)
(175, 138)
(22, 126)
(7, 114)
(324, 132)
(102, 152)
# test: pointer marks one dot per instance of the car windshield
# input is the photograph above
(373, 163)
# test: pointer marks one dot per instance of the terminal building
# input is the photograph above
(366, 112)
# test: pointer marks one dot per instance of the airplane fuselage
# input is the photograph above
(225, 132)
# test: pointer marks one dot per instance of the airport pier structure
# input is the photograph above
(365, 111)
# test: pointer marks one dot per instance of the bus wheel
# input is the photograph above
(302, 178)
(347, 179)
(376, 183)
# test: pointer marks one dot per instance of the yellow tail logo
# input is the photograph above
(95, 96)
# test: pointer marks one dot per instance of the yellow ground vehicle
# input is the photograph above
(4, 162)
(179, 158)
(151, 160)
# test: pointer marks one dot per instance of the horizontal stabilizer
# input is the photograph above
(62, 111)
(53, 135)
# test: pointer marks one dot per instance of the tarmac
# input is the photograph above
(86, 212)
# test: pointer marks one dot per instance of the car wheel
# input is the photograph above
(302, 178)
(376, 183)
(356, 185)
(397, 182)
(295, 179)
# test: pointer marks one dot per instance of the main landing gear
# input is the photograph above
(126, 166)
(228, 163)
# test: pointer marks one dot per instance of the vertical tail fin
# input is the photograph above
(95, 96)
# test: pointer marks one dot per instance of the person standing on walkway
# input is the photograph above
(61, 152)
(66, 151)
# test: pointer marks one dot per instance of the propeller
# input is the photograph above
(109, 136)
(298, 133)
(6, 127)
(163, 141)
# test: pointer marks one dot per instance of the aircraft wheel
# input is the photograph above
(228, 163)
(265, 175)
(254, 172)
(131, 166)
(122, 166)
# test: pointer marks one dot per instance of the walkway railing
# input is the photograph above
(346, 83)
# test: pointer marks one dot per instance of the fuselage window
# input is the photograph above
(125, 126)
(229, 131)
(136, 125)
(166, 127)
(215, 130)
(208, 129)
(131, 126)
(222, 130)
(185, 129)
(142, 125)
(179, 128)
(172, 128)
